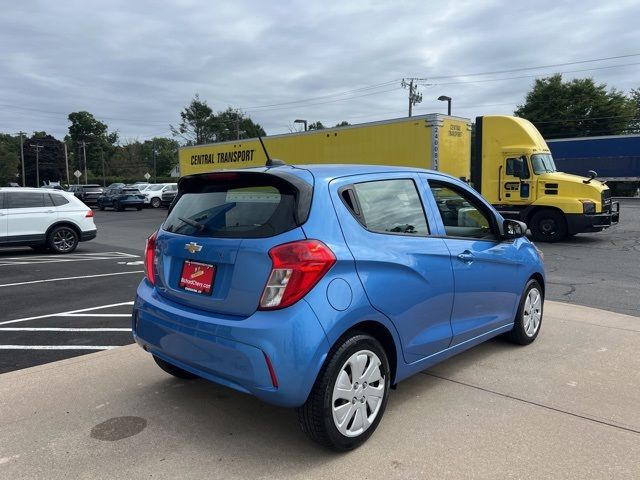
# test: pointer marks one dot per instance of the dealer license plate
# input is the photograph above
(197, 277)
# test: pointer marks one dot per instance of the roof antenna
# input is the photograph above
(270, 162)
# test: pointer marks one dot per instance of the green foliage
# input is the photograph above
(9, 163)
(199, 125)
(48, 162)
(316, 126)
(343, 123)
(99, 142)
(576, 108)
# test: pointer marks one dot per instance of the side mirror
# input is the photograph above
(513, 229)
(592, 174)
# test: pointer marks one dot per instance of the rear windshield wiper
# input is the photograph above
(193, 223)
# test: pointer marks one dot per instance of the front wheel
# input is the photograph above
(155, 202)
(350, 395)
(529, 317)
(63, 240)
(548, 226)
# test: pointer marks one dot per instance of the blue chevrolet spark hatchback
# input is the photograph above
(320, 287)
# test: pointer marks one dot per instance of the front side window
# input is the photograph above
(543, 163)
(390, 206)
(461, 215)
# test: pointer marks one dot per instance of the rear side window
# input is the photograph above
(389, 206)
(59, 200)
(235, 206)
(27, 199)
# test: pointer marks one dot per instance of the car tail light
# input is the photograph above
(297, 267)
(149, 254)
(89, 214)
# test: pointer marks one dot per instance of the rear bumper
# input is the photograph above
(577, 223)
(231, 351)
(88, 235)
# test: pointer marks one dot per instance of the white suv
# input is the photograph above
(44, 219)
(153, 193)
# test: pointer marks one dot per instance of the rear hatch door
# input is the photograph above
(212, 251)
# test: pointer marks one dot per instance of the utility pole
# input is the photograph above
(104, 181)
(155, 175)
(414, 96)
(21, 133)
(37, 147)
(66, 161)
(84, 154)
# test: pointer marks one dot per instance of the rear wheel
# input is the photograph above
(173, 370)
(529, 317)
(155, 202)
(350, 395)
(548, 226)
(62, 240)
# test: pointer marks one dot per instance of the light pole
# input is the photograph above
(21, 133)
(444, 98)
(37, 147)
(303, 122)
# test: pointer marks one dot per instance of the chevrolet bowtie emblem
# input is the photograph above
(193, 247)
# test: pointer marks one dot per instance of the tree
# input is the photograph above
(343, 123)
(166, 155)
(98, 142)
(9, 163)
(316, 126)
(576, 108)
(634, 126)
(233, 124)
(48, 163)
(197, 124)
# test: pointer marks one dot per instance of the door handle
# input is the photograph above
(466, 257)
(50, 211)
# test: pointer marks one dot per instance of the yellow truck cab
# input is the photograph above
(512, 166)
(514, 170)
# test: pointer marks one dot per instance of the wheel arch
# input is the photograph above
(537, 276)
(381, 333)
(63, 223)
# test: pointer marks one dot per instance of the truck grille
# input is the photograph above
(606, 201)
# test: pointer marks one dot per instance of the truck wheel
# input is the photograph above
(529, 317)
(155, 202)
(350, 394)
(548, 226)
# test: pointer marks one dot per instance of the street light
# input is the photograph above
(444, 98)
(302, 121)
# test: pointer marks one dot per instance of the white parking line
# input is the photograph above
(69, 278)
(56, 347)
(74, 257)
(91, 315)
(61, 329)
(50, 315)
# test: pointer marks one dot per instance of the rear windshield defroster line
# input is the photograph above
(239, 205)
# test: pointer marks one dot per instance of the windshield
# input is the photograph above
(543, 163)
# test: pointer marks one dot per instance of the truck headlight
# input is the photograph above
(588, 207)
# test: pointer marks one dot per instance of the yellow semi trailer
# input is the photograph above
(512, 166)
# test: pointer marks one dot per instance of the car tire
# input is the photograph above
(62, 239)
(548, 226)
(528, 321)
(138, 208)
(173, 370)
(155, 202)
(344, 408)
(118, 207)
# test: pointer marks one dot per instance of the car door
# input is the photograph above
(3, 219)
(30, 214)
(485, 268)
(406, 273)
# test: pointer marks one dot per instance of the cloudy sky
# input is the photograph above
(135, 64)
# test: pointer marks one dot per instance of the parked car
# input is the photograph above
(320, 287)
(153, 193)
(121, 198)
(87, 193)
(44, 219)
(169, 194)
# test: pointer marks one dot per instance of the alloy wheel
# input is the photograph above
(532, 312)
(64, 240)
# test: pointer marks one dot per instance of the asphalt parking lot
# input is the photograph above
(97, 283)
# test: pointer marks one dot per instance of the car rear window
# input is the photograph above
(249, 205)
